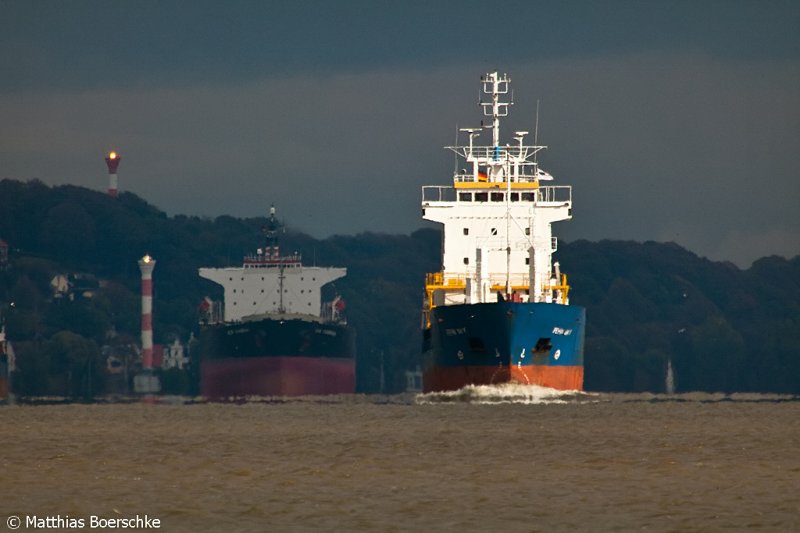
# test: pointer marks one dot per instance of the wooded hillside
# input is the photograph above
(723, 328)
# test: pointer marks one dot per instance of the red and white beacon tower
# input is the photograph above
(112, 160)
(147, 381)
(146, 265)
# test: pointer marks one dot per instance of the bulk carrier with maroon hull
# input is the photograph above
(276, 337)
(498, 311)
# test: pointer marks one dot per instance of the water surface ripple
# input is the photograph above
(478, 460)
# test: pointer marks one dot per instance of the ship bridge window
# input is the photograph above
(465, 197)
(466, 231)
(481, 196)
(514, 197)
(466, 260)
(497, 196)
(527, 197)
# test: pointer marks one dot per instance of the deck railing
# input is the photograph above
(547, 194)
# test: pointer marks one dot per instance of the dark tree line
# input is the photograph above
(648, 304)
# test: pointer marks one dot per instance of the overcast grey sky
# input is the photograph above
(674, 121)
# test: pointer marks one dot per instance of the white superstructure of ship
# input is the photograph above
(269, 284)
(497, 218)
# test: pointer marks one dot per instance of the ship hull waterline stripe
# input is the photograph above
(565, 378)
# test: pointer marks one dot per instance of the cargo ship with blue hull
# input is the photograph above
(498, 311)
(274, 336)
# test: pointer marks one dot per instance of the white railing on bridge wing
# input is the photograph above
(469, 178)
(438, 193)
(555, 193)
(548, 194)
(496, 153)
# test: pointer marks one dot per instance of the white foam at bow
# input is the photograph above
(502, 394)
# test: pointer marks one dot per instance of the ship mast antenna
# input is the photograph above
(495, 85)
(273, 251)
(536, 140)
(455, 154)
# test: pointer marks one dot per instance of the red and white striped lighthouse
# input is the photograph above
(146, 265)
(112, 161)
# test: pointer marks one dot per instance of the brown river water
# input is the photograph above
(515, 459)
